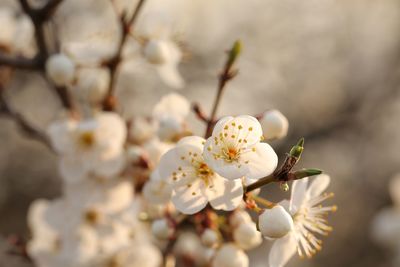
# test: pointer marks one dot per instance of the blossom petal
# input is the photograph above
(318, 185)
(225, 194)
(298, 195)
(190, 200)
(260, 161)
(60, 133)
(169, 73)
(110, 167)
(111, 129)
(282, 250)
(157, 192)
(219, 126)
(242, 127)
(193, 140)
(72, 169)
(229, 170)
(172, 105)
(176, 165)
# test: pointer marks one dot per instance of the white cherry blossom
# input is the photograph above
(161, 51)
(234, 150)
(156, 190)
(91, 146)
(194, 183)
(309, 218)
(170, 114)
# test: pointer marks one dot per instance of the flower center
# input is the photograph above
(230, 154)
(86, 139)
(204, 172)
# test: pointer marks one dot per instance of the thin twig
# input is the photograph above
(227, 74)
(19, 62)
(25, 126)
(113, 63)
(199, 112)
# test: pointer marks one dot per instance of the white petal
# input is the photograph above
(225, 194)
(190, 200)
(196, 141)
(298, 195)
(72, 169)
(241, 127)
(261, 162)
(110, 167)
(111, 129)
(60, 133)
(219, 126)
(173, 105)
(282, 250)
(219, 165)
(157, 192)
(178, 158)
(170, 75)
(318, 185)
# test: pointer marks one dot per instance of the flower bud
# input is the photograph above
(141, 130)
(134, 154)
(60, 69)
(246, 236)
(156, 51)
(230, 256)
(275, 222)
(161, 229)
(239, 217)
(209, 238)
(274, 124)
(93, 84)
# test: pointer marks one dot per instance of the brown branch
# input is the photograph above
(19, 62)
(227, 74)
(24, 125)
(109, 102)
(196, 108)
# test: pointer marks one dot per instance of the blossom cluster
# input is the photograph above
(148, 191)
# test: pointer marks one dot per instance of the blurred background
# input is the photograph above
(332, 67)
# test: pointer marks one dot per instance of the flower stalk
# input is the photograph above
(227, 74)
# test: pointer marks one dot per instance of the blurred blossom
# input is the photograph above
(91, 146)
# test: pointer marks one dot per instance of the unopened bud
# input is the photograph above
(306, 173)
(161, 229)
(60, 69)
(275, 222)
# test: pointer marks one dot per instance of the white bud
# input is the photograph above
(60, 69)
(156, 51)
(93, 84)
(246, 236)
(274, 124)
(230, 256)
(168, 128)
(161, 229)
(275, 222)
(134, 153)
(209, 238)
(239, 217)
(141, 130)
